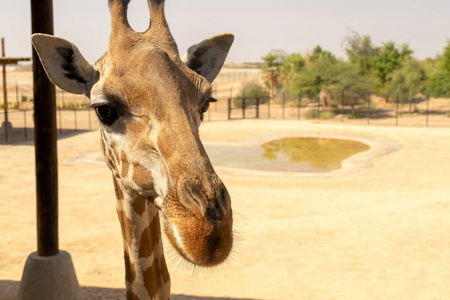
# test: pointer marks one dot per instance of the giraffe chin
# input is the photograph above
(208, 243)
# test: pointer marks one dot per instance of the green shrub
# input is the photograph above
(356, 115)
(324, 115)
(250, 90)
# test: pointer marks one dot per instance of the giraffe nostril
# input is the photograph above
(192, 199)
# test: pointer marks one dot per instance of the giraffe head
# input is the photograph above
(150, 103)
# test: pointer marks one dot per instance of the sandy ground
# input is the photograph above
(381, 234)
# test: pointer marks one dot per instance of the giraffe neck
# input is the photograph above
(147, 276)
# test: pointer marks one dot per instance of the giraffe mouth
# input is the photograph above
(201, 242)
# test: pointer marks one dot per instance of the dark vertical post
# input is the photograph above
(229, 108)
(342, 105)
(5, 93)
(318, 105)
(368, 108)
(396, 107)
(257, 105)
(17, 95)
(75, 116)
(45, 138)
(243, 104)
(60, 120)
(89, 116)
(299, 103)
(428, 108)
(25, 124)
(284, 102)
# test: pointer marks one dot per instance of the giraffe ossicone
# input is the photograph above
(150, 103)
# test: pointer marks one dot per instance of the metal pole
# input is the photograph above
(75, 116)
(342, 105)
(45, 139)
(243, 104)
(318, 105)
(257, 105)
(428, 108)
(368, 108)
(25, 123)
(396, 108)
(89, 116)
(17, 95)
(5, 93)
(60, 120)
(229, 108)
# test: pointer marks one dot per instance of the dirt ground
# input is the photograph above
(380, 234)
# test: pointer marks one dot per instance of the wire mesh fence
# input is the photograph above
(235, 103)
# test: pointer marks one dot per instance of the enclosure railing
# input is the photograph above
(74, 115)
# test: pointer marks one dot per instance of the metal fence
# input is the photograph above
(420, 111)
(74, 115)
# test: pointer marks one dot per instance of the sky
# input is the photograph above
(259, 26)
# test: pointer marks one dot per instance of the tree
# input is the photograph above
(388, 61)
(439, 74)
(361, 52)
(445, 58)
(319, 53)
(273, 62)
(318, 75)
(407, 81)
(292, 65)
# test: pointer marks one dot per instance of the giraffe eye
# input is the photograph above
(107, 114)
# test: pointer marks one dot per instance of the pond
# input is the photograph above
(294, 154)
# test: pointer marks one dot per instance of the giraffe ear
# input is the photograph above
(64, 64)
(208, 57)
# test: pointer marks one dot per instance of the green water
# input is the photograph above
(316, 154)
(288, 155)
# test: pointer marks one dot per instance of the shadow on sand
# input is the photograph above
(17, 136)
(9, 290)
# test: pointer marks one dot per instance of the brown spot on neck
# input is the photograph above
(140, 205)
(156, 276)
(150, 238)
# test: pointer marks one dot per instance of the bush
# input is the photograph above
(356, 115)
(252, 90)
(324, 115)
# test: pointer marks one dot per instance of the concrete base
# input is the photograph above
(49, 278)
(8, 125)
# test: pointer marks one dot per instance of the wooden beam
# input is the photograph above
(45, 136)
(12, 60)
(5, 93)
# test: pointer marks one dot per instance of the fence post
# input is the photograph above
(60, 120)
(428, 107)
(257, 105)
(368, 108)
(284, 102)
(89, 115)
(25, 123)
(75, 115)
(229, 108)
(342, 105)
(17, 95)
(243, 103)
(318, 105)
(396, 107)
(299, 100)
(5, 93)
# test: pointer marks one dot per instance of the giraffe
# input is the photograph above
(150, 103)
